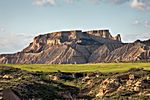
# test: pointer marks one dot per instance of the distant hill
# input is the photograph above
(77, 47)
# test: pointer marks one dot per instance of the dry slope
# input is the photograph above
(79, 47)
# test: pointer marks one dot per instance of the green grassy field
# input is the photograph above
(102, 67)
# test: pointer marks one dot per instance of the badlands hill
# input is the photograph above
(76, 47)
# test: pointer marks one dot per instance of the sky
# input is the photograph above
(22, 20)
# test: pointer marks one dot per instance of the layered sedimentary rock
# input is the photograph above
(130, 52)
(79, 47)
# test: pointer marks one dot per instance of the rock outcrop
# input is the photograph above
(125, 84)
(79, 47)
(133, 84)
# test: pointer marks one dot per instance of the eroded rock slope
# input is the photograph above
(79, 47)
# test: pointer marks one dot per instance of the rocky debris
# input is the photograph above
(27, 85)
(54, 78)
(66, 95)
(1, 93)
(85, 79)
(7, 77)
(108, 86)
(8, 94)
(89, 82)
(132, 84)
(121, 83)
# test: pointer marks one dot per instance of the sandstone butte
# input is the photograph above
(78, 47)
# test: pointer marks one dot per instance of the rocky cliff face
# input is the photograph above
(79, 47)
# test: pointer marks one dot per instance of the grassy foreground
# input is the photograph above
(102, 67)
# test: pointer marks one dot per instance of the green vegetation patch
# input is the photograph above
(102, 67)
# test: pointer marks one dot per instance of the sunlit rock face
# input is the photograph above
(77, 46)
(104, 34)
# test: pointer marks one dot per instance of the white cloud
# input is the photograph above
(147, 24)
(44, 2)
(147, 4)
(39, 2)
(69, 1)
(118, 1)
(95, 1)
(11, 43)
(2, 29)
(141, 4)
(138, 5)
(51, 2)
(136, 22)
